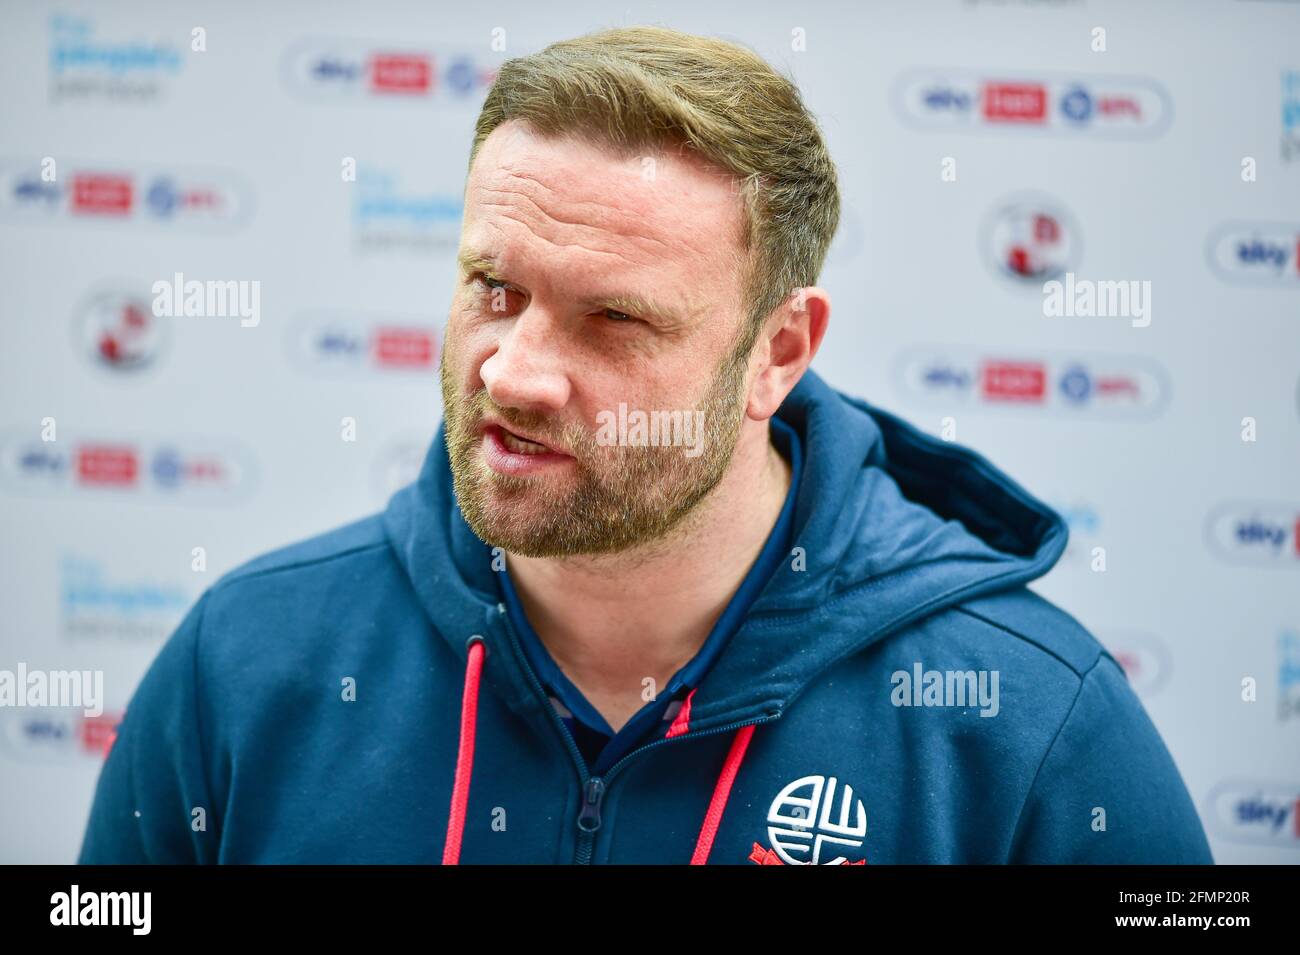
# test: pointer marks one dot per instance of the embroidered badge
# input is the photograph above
(803, 825)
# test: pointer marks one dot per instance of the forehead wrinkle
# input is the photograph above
(521, 206)
(468, 259)
(672, 184)
(606, 226)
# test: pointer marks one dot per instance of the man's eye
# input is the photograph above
(490, 282)
(618, 316)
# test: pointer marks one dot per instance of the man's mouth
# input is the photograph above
(522, 445)
(510, 453)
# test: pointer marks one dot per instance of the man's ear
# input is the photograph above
(791, 337)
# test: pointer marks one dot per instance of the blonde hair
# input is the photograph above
(645, 89)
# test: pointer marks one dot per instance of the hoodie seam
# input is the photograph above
(1020, 815)
(936, 604)
(1027, 639)
(775, 618)
(237, 576)
(198, 721)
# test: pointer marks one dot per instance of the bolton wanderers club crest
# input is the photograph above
(806, 825)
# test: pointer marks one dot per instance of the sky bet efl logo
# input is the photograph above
(188, 470)
(82, 193)
(1103, 386)
(356, 344)
(1256, 253)
(1258, 534)
(347, 70)
(1259, 813)
(1101, 106)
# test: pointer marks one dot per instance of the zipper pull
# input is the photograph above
(593, 793)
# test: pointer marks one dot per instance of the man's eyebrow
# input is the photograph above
(475, 260)
(639, 307)
(472, 260)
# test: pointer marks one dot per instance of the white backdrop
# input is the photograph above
(982, 146)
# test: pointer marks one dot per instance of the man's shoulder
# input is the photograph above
(300, 591)
(322, 554)
(1041, 626)
(1040, 656)
(290, 611)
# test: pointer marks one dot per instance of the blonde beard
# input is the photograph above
(622, 498)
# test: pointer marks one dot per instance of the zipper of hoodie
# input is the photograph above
(593, 787)
(578, 761)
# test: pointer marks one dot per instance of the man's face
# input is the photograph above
(588, 282)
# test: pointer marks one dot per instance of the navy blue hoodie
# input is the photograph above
(895, 695)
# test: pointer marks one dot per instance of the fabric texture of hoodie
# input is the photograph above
(895, 694)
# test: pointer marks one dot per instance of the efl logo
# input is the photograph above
(57, 735)
(338, 343)
(1100, 106)
(1256, 813)
(187, 471)
(148, 196)
(342, 70)
(1112, 386)
(1256, 253)
(1258, 534)
(805, 823)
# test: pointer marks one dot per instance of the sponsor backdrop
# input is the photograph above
(314, 156)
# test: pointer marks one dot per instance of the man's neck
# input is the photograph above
(613, 621)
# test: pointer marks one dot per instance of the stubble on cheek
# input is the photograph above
(613, 498)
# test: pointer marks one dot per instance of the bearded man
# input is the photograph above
(799, 633)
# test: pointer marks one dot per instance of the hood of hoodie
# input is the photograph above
(890, 525)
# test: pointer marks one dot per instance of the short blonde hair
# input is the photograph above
(645, 89)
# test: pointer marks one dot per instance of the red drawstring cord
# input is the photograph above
(465, 754)
(713, 818)
(465, 768)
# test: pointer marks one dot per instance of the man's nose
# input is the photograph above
(527, 369)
